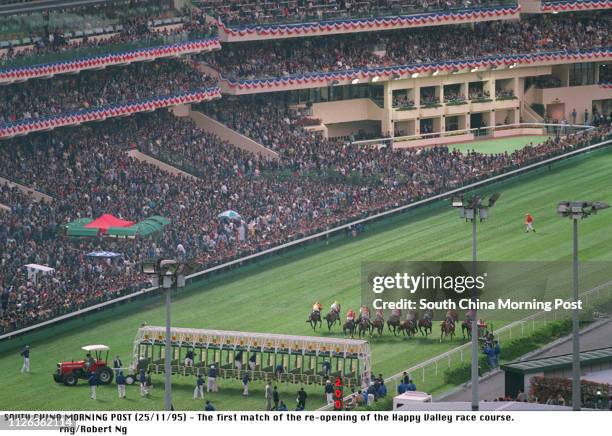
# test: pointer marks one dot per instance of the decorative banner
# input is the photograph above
(366, 24)
(9, 75)
(606, 85)
(568, 6)
(24, 127)
(323, 79)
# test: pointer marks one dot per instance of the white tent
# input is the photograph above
(35, 270)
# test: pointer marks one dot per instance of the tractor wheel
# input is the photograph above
(70, 379)
(105, 375)
(130, 379)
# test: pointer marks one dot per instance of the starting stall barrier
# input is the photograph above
(304, 359)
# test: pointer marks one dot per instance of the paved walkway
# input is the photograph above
(26, 190)
(493, 387)
(136, 154)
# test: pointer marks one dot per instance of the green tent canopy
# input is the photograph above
(146, 227)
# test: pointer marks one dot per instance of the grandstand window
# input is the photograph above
(582, 74)
(337, 93)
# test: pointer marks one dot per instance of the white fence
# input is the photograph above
(315, 236)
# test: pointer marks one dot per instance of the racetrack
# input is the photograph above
(276, 296)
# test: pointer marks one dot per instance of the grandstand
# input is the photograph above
(306, 118)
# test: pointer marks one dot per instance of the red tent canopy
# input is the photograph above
(107, 220)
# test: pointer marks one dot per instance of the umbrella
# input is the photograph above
(230, 215)
(103, 254)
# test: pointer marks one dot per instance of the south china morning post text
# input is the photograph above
(503, 291)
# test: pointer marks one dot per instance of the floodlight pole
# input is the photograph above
(575, 327)
(168, 358)
(474, 326)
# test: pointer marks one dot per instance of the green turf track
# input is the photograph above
(276, 295)
(500, 145)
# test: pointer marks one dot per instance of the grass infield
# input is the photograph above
(276, 295)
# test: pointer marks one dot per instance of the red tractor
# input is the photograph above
(96, 361)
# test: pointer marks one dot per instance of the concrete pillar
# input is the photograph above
(386, 126)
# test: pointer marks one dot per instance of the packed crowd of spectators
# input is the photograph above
(38, 98)
(134, 29)
(262, 59)
(316, 184)
(246, 12)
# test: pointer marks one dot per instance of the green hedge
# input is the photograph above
(513, 350)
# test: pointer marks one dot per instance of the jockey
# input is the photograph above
(364, 311)
(350, 315)
(396, 312)
(317, 307)
(379, 313)
(335, 307)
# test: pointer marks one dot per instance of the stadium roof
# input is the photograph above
(557, 362)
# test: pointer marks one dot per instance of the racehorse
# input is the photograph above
(332, 318)
(365, 326)
(394, 321)
(466, 325)
(409, 327)
(447, 328)
(314, 318)
(350, 326)
(425, 323)
(379, 323)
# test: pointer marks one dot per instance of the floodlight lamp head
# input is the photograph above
(563, 208)
(168, 267)
(599, 205)
(473, 202)
(457, 201)
(149, 267)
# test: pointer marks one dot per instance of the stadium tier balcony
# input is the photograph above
(314, 62)
(558, 6)
(246, 20)
(40, 44)
(94, 95)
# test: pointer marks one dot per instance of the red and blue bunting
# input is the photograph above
(606, 85)
(568, 6)
(365, 74)
(24, 127)
(8, 75)
(367, 24)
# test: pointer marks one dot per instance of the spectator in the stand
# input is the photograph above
(294, 56)
(139, 28)
(65, 94)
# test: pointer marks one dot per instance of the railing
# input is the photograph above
(318, 235)
(86, 52)
(549, 129)
(370, 13)
(427, 373)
